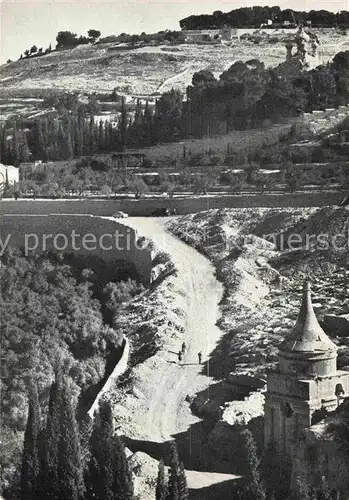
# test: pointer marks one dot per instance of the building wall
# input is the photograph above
(282, 429)
(301, 398)
(290, 404)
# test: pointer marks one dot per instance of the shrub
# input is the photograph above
(161, 258)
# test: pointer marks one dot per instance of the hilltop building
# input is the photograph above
(226, 33)
(305, 387)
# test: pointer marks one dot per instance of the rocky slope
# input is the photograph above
(263, 284)
(141, 70)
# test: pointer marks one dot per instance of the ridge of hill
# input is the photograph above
(142, 70)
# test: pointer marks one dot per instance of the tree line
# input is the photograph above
(54, 313)
(66, 459)
(65, 40)
(35, 52)
(247, 94)
(68, 40)
(253, 17)
(75, 132)
(244, 96)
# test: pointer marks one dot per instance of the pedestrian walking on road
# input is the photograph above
(180, 356)
(200, 357)
(184, 348)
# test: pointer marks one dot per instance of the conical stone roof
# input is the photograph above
(307, 335)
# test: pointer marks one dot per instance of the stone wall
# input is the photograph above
(119, 369)
(86, 235)
(146, 206)
(321, 121)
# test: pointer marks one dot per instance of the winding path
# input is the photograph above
(169, 414)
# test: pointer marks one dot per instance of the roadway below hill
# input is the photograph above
(169, 415)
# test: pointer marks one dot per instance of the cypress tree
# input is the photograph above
(15, 149)
(177, 488)
(123, 481)
(39, 140)
(92, 134)
(24, 150)
(161, 486)
(70, 477)
(108, 476)
(324, 490)
(110, 136)
(79, 139)
(52, 435)
(4, 146)
(148, 126)
(303, 490)
(256, 486)
(123, 124)
(30, 462)
(69, 152)
(101, 136)
(86, 137)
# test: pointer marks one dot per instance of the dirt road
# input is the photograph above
(168, 412)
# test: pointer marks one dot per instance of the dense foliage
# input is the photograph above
(69, 40)
(172, 486)
(107, 474)
(67, 460)
(247, 94)
(244, 96)
(50, 315)
(253, 17)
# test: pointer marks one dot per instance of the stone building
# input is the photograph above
(305, 385)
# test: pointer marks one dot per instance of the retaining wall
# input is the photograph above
(112, 241)
(119, 369)
(146, 206)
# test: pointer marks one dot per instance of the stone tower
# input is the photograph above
(305, 383)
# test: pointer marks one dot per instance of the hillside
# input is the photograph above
(143, 70)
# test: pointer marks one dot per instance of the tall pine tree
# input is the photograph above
(108, 476)
(15, 148)
(24, 150)
(30, 462)
(177, 487)
(70, 475)
(256, 486)
(161, 486)
(51, 438)
(123, 124)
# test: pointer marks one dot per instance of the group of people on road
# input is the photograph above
(182, 352)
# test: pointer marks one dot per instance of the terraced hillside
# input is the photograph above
(142, 70)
